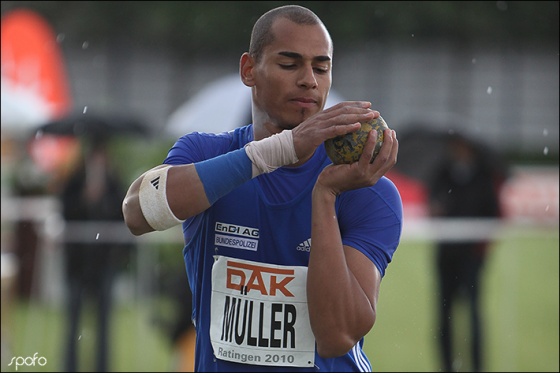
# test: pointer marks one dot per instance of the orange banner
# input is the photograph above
(34, 83)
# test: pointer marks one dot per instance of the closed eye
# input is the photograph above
(318, 70)
(288, 67)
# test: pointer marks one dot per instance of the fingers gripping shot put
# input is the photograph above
(348, 148)
(284, 250)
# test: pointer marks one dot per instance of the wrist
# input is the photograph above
(272, 152)
(322, 193)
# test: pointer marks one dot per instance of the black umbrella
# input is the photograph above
(422, 149)
(95, 126)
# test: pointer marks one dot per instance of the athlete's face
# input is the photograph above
(293, 78)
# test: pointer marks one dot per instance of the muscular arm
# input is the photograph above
(342, 283)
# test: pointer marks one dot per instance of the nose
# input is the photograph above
(306, 78)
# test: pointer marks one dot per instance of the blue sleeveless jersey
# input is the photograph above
(246, 259)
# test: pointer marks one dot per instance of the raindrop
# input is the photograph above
(85, 109)
(39, 134)
(85, 45)
(97, 237)
(489, 90)
(60, 38)
(449, 191)
(473, 61)
(546, 208)
(545, 132)
(79, 337)
(412, 35)
(545, 150)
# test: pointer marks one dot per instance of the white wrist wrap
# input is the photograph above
(272, 152)
(153, 200)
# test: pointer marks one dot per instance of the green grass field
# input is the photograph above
(520, 303)
(520, 306)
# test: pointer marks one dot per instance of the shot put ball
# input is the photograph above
(348, 148)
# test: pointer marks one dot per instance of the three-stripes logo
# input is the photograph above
(155, 182)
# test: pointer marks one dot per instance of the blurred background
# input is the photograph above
(131, 77)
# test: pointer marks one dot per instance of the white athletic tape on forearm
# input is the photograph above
(272, 152)
(153, 200)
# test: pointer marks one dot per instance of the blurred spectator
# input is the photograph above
(28, 182)
(175, 314)
(183, 333)
(93, 193)
(467, 185)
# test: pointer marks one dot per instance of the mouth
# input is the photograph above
(304, 102)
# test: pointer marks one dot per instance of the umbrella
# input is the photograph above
(94, 126)
(55, 142)
(421, 150)
(222, 105)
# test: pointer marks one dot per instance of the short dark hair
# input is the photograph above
(261, 36)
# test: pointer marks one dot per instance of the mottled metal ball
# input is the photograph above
(348, 148)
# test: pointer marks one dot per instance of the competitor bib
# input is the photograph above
(259, 314)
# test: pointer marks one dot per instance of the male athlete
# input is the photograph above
(284, 251)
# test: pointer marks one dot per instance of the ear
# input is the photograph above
(246, 68)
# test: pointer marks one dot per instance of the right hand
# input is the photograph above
(335, 179)
(340, 119)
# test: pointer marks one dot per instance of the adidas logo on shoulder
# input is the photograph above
(304, 246)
